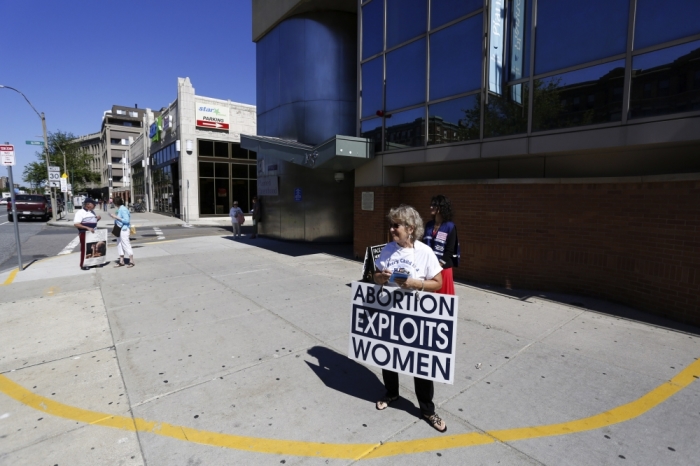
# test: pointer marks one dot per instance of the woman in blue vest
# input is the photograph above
(441, 236)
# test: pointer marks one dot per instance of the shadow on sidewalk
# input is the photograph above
(589, 303)
(297, 248)
(352, 378)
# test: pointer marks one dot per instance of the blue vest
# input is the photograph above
(439, 242)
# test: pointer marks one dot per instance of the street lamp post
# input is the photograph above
(46, 145)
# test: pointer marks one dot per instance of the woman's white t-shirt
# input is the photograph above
(233, 212)
(419, 261)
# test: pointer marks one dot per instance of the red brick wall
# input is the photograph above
(635, 243)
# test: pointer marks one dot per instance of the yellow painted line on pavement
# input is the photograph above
(11, 277)
(354, 451)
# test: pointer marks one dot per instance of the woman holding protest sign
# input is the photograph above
(410, 265)
(441, 237)
(85, 220)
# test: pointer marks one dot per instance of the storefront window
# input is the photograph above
(206, 148)
(658, 22)
(372, 28)
(221, 149)
(222, 182)
(405, 75)
(372, 86)
(405, 129)
(454, 120)
(666, 81)
(582, 97)
(571, 33)
(405, 19)
(444, 11)
(455, 58)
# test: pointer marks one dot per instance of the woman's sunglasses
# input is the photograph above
(395, 226)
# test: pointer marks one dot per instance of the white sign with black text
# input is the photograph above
(409, 332)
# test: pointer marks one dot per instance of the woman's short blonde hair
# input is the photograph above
(410, 217)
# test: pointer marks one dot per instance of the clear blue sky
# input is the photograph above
(74, 59)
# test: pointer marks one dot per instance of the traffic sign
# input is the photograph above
(7, 155)
(54, 184)
(35, 143)
(64, 185)
(54, 168)
(64, 176)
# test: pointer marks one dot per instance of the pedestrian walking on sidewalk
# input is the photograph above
(104, 205)
(441, 237)
(123, 220)
(406, 254)
(85, 220)
(257, 215)
(236, 215)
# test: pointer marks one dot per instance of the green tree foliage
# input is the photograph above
(77, 162)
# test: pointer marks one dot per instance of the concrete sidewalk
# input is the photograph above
(213, 351)
(149, 220)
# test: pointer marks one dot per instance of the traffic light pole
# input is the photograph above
(15, 220)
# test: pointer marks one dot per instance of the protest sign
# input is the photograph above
(404, 331)
(95, 248)
(371, 255)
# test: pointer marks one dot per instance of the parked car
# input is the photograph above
(30, 206)
(3, 201)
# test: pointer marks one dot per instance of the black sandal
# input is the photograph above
(385, 402)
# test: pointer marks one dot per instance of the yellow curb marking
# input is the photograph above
(11, 277)
(355, 451)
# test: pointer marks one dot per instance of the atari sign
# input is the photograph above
(211, 116)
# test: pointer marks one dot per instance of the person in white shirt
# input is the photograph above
(234, 214)
(85, 220)
(405, 254)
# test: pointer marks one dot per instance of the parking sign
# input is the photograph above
(7, 155)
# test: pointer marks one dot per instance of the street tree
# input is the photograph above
(77, 162)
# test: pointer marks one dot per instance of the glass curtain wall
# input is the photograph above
(425, 81)
(166, 181)
(227, 173)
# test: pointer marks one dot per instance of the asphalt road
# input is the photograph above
(40, 241)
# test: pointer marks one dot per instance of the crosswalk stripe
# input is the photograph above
(69, 248)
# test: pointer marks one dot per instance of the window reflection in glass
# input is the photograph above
(405, 129)
(222, 200)
(372, 129)
(658, 22)
(239, 170)
(372, 28)
(582, 97)
(405, 75)
(444, 11)
(454, 120)
(239, 192)
(455, 58)
(405, 19)
(237, 152)
(570, 33)
(506, 114)
(372, 87)
(666, 81)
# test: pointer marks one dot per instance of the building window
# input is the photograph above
(658, 22)
(454, 120)
(405, 129)
(596, 84)
(121, 112)
(444, 11)
(666, 81)
(372, 129)
(372, 28)
(372, 86)
(222, 182)
(405, 19)
(561, 25)
(405, 76)
(506, 114)
(455, 58)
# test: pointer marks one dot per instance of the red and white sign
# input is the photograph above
(212, 124)
(7, 155)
